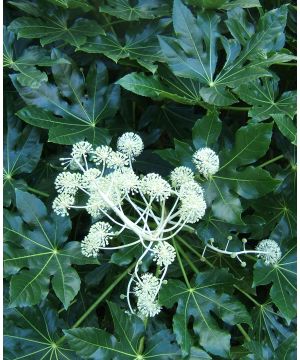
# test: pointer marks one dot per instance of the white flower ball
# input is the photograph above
(206, 161)
(271, 252)
(130, 144)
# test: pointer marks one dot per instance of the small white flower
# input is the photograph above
(271, 249)
(130, 144)
(180, 176)
(98, 237)
(148, 286)
(164, 254)
(89, 177)
(82, 148)
(68, 182)
(155, 186)
(206, 161)
(62, 204)
(117, 160)
(148, 307)
(190, 188)
(101, 154)
(192, 208)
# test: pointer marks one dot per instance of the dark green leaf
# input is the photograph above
(22, 151)
(33, 333)
(54, 28)
(263, 96)
(204, 297)
(143, 9)
(193, 54)
(46, 257)
(139, 43)
(283, 277)
(96, 343)
(91, 102)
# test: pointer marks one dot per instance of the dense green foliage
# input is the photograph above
(183, 75)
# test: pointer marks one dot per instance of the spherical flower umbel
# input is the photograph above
(155, 186)
(89, 177)
(271, 252)
(190, 188)
(97, 238)
(164, 253)
(125, 180)
(130, 144)
(101, 154)
(206, 161)
(117, 160)
(148, 286)
(147, 307)
(68, 182)
(192, 209)
(62, 204)
(82, 148)
(180, 176)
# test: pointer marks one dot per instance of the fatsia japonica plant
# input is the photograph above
(149, 179)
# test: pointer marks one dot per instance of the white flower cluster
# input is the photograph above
(270, 251)
(97, 238)
(103, 182)
(146, 291)
(206, 161)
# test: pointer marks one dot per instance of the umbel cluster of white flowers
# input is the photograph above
(102, 181)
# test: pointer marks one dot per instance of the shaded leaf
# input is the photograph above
(92, 101)
(143, 9)
(55, 28)
(43, 239)
(202, 298)
(22, 151)
(193, 53)
(283, 278)
(139, 43)
(96, 343)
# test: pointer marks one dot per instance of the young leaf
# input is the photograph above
(263, 96)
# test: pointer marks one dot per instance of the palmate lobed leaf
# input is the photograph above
(93, 343)
(33, 332)
(25, 63)
(204, 296)
(143, 9)
(283, 278)
(92, 101)
(55, 27)
(137, 43)
(193, 56)
(22, 151)
(37, 253)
